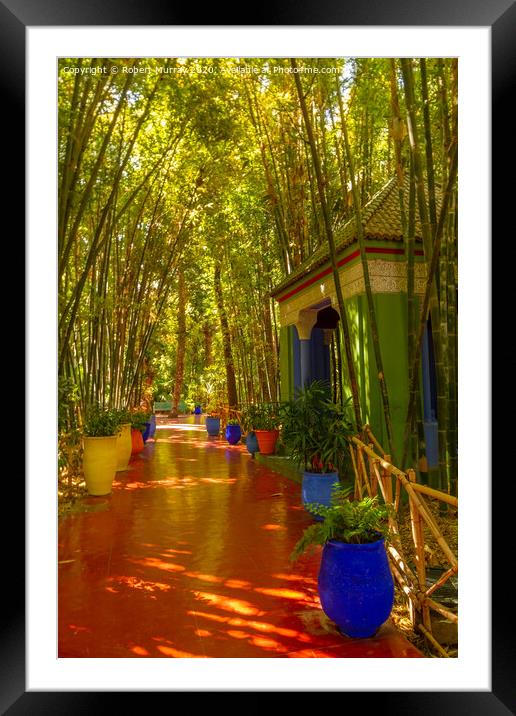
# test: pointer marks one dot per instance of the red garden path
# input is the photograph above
(189, 557)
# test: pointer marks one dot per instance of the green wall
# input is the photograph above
(391, 315)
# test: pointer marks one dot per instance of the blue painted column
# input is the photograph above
(305, 350)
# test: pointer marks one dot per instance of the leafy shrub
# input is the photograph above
(358, 522)
(315, 431)
(100, 422)
(261, 416)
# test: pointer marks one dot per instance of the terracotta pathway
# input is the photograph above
(189, 557)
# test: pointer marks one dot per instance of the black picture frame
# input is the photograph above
(500, 16)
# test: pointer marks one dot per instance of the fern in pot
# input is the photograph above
(315, 433)
(355, 583)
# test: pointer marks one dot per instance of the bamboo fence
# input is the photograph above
(374, 473)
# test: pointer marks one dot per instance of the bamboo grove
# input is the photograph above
(189, 188)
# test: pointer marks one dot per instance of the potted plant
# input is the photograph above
(251, 441)
(213, 422)
(315, 433)
(233, 431)
(265, 424)
(355, 583)
(124, 443)
(99, 460)
(138, 424)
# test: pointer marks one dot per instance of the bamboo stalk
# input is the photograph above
(388, 479)
(422, 508)
(373, 480)
(358, 487)
(442, 610)
(438, 494)
(433, 641)
(372, 438)
(444, 578)
(364, 471)
(432, 525)
(419, 544)
(402, 565)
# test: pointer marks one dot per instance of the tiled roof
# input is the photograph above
(381, 221)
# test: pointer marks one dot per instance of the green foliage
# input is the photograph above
(261, 416)
(67, 402)
(315, 430)
(100, 422)
(358, 522)
(232, 421)
(69, 453)
(138, 419)
(124, 416)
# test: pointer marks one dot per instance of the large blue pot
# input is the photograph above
(233, 434)
(356, 586)
(317, 487)
(152, 425)
(251, 442)
(213, 426)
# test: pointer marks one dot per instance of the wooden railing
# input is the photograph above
(374, 472)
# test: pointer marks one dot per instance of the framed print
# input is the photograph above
(35, 40)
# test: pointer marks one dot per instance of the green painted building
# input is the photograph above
(309, 315)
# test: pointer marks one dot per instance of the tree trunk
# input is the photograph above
(226, 341)
(181, 343)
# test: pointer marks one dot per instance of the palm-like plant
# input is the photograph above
(315, 430)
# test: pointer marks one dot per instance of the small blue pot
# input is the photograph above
(233, 434)
(356, 586)
(146, 433)
(252, 443)
(197, 410)
(317, 487)
(213, 426)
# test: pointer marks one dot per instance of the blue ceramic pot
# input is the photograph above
(197, 410)
(317, 487)
(146, 432)
(213, 426)
(233, 434)
(252, 443)
(356, 586)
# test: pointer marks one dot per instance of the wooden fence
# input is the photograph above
(374, 472)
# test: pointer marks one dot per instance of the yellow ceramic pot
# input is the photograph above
(124, 446)
(99, 462)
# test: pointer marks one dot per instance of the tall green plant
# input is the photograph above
(314, 430)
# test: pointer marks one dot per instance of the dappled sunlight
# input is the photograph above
(140, 651)
(219, 480)
(274, 528)
(182, 426)
(179, 551)
(177, 653)
(204, 577)
(158, 564)
(286, 594)
(167, 647)
(260, 626)
(136, 583)
(237, 584)
(295, 578)
(228, 604)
